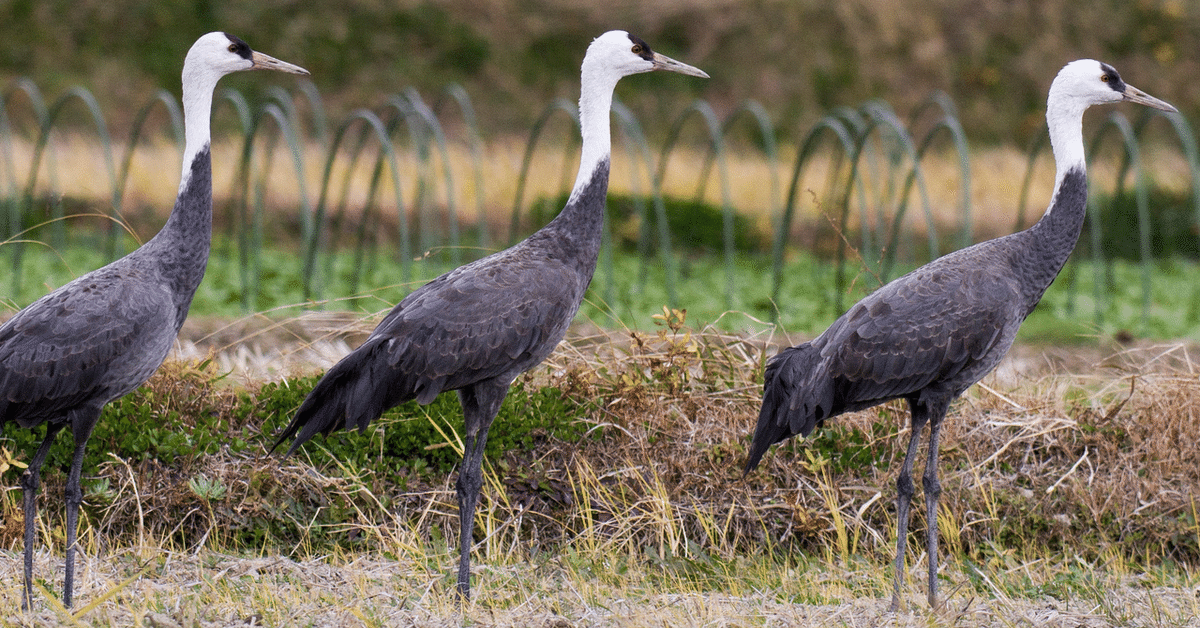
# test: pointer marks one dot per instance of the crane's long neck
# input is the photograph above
(580, 224)
(181, 248)
(1053, 238)
(595, 107)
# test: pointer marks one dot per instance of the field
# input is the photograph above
(1066, 503)
(614, 494)
(1091, 300)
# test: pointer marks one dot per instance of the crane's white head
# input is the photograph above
(1087, 82)
(620, 54)
(609, 57)
(221, 53)
(212, 56)
(1079, 85)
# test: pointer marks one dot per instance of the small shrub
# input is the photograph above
(177, 413)
(851, 450)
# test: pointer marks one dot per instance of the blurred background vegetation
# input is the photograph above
(799, 57)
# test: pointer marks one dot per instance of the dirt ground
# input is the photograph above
(208, 590)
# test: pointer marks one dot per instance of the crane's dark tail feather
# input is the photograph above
(796, 398)
(348, 396)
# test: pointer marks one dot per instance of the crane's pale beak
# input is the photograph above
(1133, 94)
(663, 62)
(267, 62)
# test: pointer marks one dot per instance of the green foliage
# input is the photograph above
(206, 488)
(414, 438)
(850, 450)
(1172, 219)
(695, 226)
(148, 425)
(635, 290)
(407, 442)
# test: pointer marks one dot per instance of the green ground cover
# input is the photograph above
(634, 290)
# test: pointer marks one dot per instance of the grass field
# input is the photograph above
(631, 293)
(1069, 485)
(628, 295)
(211, 588)
(1066, 503)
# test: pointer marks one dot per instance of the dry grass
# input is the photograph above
(212, 589)
(1066, 502)
(153, 181)
(995, 181)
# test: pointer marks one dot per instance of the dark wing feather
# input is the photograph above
(931, 333)
(941, 325)
(493, 318)
(92, 340)
(480, 322)
(797, 396)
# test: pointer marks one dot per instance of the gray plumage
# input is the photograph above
(929, 335)
(102, 335)
(97, 338)
(483, 323)
(474, 329)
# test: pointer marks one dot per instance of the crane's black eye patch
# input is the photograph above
(239, 47)
(641, 48)
(1111, 77)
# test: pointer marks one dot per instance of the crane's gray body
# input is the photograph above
(472, 330)
(102, 335)
(482, 323)
(97, 338)
(105, 333)
(476, 328)
(925, 337)
(928, 335)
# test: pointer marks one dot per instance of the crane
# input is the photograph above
(928, 336)
(105, 333)
(474, 329)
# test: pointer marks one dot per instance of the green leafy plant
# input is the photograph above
(207, 489)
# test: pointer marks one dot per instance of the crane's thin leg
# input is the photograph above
(904, 493)
(480, 404)
(30, 480)
(81, 428)
(933, 491)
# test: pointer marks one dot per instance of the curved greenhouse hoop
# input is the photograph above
(559, 105)
(828, 125)
(387, 151)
